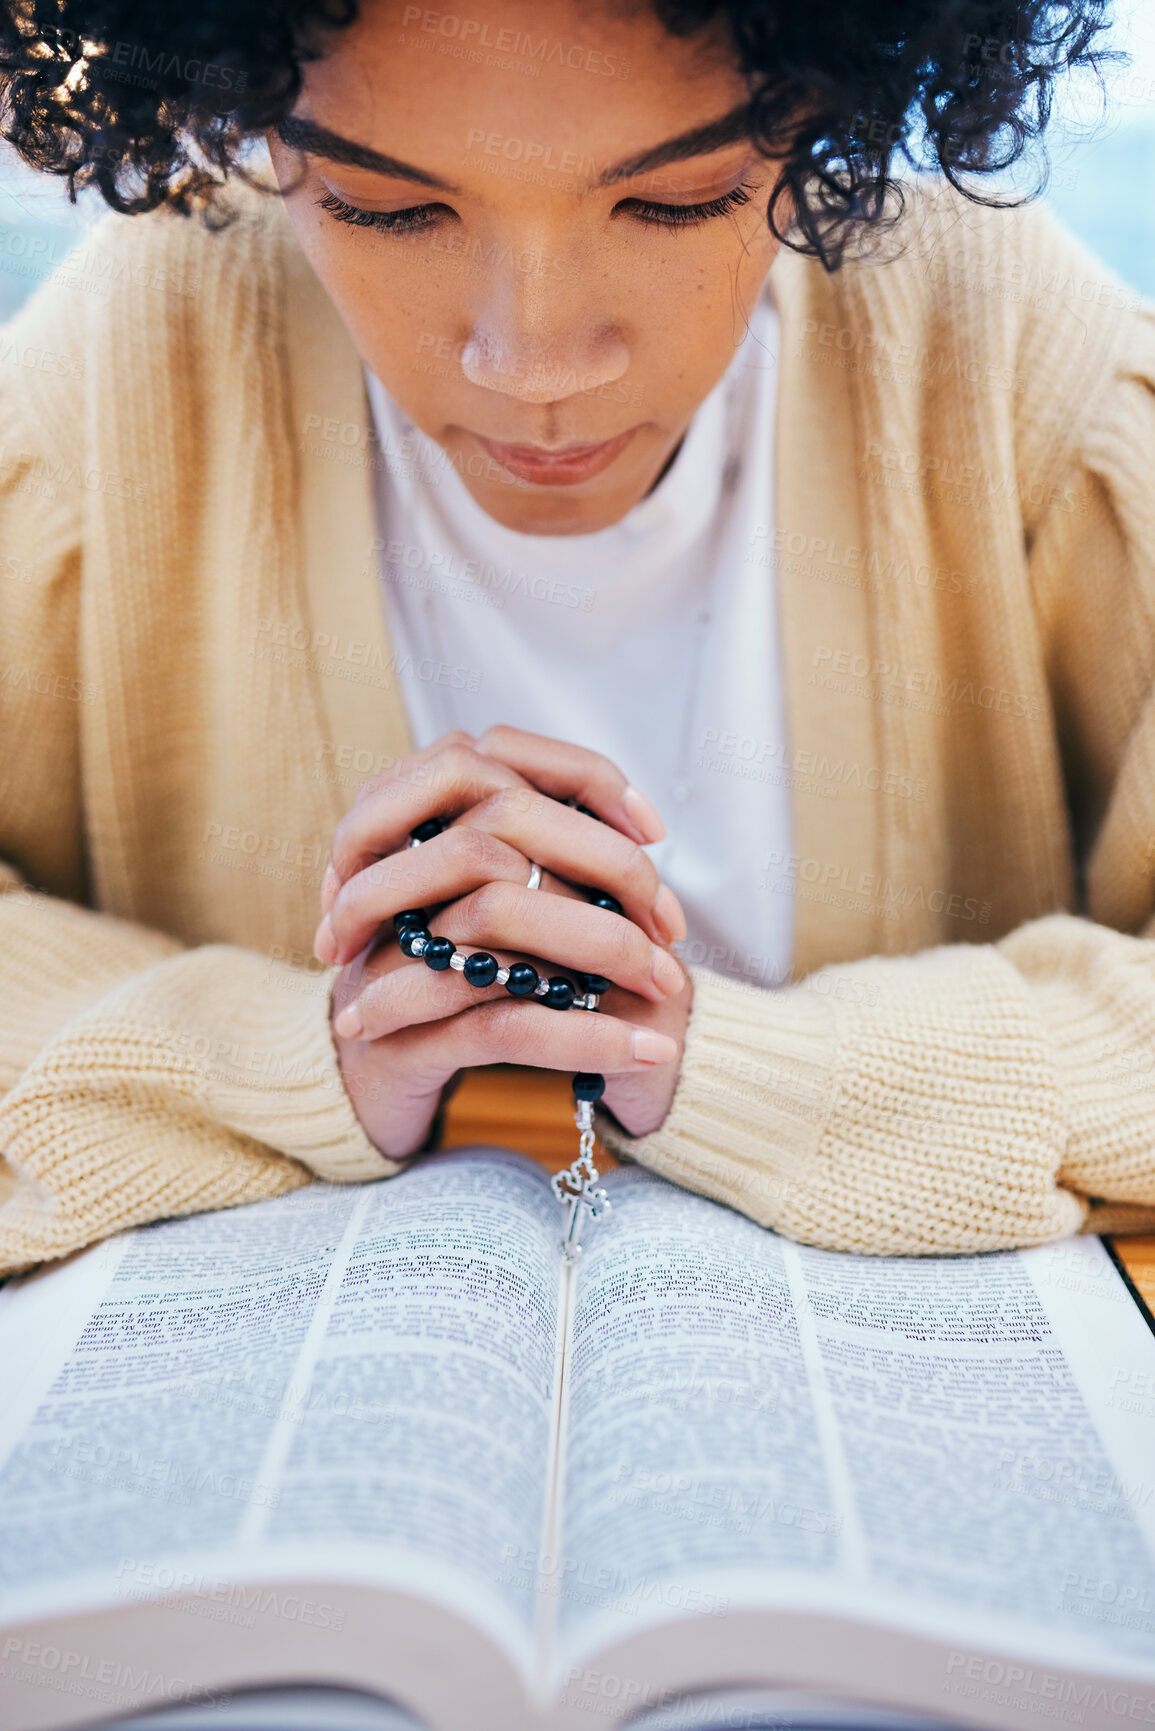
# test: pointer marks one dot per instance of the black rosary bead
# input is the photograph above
(561, 993)
(480, 969)
(600, 899)
(436, 954)
(596, 983)
(426, 831)
(523, 980)
(588, 1085)
(409, 919)
(405, 940)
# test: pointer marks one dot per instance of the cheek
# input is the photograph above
(393, 307)
(692, 303)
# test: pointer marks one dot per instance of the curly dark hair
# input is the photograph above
(170, 92)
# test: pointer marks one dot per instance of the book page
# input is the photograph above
(982, 1475)
(920, 1440)
(445, 1321)
(330, 1380)
(692, 1439)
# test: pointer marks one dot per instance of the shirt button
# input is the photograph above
(681, 791)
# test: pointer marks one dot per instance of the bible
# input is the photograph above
(376, 1458)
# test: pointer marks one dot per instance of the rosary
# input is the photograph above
(575, 1188)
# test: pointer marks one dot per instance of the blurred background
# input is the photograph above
(1101, 155)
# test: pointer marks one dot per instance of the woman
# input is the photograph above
(584, 406)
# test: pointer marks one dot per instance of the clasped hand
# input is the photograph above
(403, 1032)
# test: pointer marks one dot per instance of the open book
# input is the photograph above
(381, 1439)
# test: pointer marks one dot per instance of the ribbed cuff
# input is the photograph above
(1091, 989)
(320, 1125)
(255, 1035)
(753, 1096)
(182, 1090)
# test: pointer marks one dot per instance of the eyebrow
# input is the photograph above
(315, 140)
(701, 141)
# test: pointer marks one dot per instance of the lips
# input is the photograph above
(560, 468)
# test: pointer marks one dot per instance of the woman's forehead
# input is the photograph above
(509, 78)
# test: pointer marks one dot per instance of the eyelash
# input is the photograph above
(389, 221)
(687, 215)
(421, 216)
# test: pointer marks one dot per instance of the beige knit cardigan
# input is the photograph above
(195, 677)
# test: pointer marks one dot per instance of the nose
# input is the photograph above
(536, 339)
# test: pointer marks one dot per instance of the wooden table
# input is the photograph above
(532, 1110)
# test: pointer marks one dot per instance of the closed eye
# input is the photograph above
(684, 215)
(410, 221)
(422, 216)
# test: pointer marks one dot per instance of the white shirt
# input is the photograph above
(654, 641)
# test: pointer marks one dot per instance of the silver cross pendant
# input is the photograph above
(576, 1187)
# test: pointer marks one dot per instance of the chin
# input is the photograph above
(551, 510)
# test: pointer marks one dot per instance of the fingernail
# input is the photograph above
(324, 943)
(667, 911)
(348, 1024)
(330, 884)
(650, 1047)
(667, 972)
(639, 810)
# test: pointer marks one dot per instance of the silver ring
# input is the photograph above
(534, 875)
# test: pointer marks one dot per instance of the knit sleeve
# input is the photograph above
(137, 1077)
(967, 1098)
(194, 1079)
(977, 1097)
